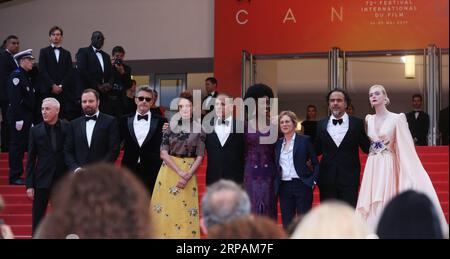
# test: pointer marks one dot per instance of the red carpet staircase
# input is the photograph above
(17, 211)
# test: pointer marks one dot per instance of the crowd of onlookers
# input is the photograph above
(82, 209)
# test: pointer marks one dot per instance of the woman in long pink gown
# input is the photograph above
(393, 165)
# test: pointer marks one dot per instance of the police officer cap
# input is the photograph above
(24, 54)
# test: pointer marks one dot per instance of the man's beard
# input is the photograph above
(337, 113)
(89, 111)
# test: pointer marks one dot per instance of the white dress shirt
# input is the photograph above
(57, 52)
(141, 127)
(416, 113)
(223, 131)
(90, 129)
(338, 131)
(287, 161)
(100, 59)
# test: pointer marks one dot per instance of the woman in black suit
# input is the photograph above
(295, 181)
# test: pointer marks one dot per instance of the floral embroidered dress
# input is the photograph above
(392, 166)
(175, 211)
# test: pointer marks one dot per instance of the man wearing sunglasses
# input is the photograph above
(142, 135)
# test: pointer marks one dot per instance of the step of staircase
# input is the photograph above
(21, 231)
(17, 212)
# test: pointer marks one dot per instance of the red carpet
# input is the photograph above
(17, 212)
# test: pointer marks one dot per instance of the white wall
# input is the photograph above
(147, 29)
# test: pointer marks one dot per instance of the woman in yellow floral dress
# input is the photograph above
(174, 203)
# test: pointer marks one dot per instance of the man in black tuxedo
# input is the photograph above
(141, 132)
(225, 145)
(7, 66)
(211, 93)
(45, 164)
(55, 70)
(418, 122)
(94, 67)
(338, 138)
(93, 137)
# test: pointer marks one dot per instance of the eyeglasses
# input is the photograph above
(142, 98)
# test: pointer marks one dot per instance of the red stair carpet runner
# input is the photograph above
(17, 211)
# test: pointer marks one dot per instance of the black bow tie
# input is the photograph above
(58, 48)
(98, 51)
(142, 117)
(223, 122)
(337, 121)
(88, 118)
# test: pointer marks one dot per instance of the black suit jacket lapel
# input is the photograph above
(327, 135)
(52, 55)
(105, 60)
(83, 132)
(94, 54)
(349, 131)
(296, 144)
(232, 133)
(43, 132)
(278, 147)
(96, 126)
(130, 122)
(151, 131)
(213, 133)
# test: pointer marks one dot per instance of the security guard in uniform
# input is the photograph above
(22, 103)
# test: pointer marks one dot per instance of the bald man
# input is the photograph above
(45, 164)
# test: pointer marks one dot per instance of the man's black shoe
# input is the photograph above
(17, 182)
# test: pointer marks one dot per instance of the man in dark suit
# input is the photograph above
(224, 144)
(338, 138)
(21, 111)
(295, 181)
(93, 137)
(443, 126)
(141, 132)
(418, 122)
(94, 67)
(211, 93)
(7, 66)
(55, 70)
(45, 164)
(121, 79)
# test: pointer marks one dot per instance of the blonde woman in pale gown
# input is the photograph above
(393, 165)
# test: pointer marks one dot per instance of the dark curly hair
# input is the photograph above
(101, 201)
(255, 92)
(258, 91)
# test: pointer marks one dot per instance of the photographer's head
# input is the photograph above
(118, 54)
